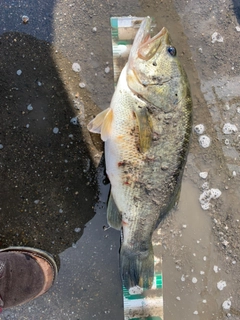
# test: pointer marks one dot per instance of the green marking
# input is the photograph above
(114, 22)
(159, 282)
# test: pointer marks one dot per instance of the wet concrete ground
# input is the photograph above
(53, 194)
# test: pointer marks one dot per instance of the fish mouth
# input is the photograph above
(151, 45)
(145, 47)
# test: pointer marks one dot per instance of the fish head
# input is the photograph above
(154, 71)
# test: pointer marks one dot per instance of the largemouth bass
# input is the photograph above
(146, 131)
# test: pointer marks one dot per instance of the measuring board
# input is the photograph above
(138, 304)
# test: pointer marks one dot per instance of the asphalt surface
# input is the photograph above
(54, 191)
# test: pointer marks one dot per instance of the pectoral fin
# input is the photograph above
(114, 216)
(145, 128)
(102, 124)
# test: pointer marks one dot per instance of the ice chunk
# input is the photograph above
(76, 67)
(203, 175)
(216, 37)
(229, 128)
(204, 141)
(221, 285)
(199, 129)
(227, 304)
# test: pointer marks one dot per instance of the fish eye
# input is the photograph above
(172, 51)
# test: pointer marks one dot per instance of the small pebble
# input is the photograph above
(195, 312)
(36, 201)
(94, 29)
(226, 304)
(221, 285)
(178, 298)
(74, 245)
(204, 141)
(183, 278)
(76, 67)
(238, 28)
(203, 175)
(60, 211)
(204, 301)
(227, 142)
(204, 258)
(215, 269)
(77, 229)
(82, 85)
(55, 130)
(74, 121)
(25, 19)
(194, 280)
(199, 129)
(19, 72)
(30, 107)
(1, 146)
(107, 70)
(229, 128)
(216, 37)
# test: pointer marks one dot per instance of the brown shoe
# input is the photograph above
(25, 274)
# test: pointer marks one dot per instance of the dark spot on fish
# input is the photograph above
(134, 115)
(154, 64)
(121, 163)
(158, 80)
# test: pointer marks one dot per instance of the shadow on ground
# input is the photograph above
(48, 183)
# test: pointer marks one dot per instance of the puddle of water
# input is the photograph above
(190, 282)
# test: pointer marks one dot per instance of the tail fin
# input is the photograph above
(137, 267)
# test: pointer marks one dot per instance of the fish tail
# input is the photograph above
(137, 267)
